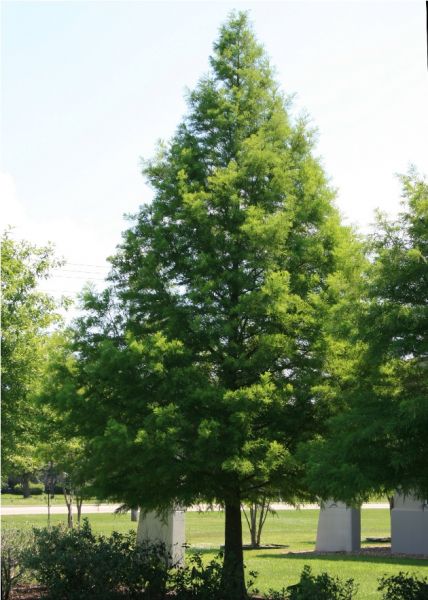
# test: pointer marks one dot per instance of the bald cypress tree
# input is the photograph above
(199, 367)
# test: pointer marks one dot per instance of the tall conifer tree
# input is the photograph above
(200, 368)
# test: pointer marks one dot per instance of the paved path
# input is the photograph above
(110, 508)
(57, 509)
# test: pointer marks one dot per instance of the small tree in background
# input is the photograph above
(255, 514)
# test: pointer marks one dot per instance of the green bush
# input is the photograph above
(277, 595)
(201, 581)
(197, 581)
(321, 587)
(76, 565)
(18, 490)
(14, 544)
(403, 587)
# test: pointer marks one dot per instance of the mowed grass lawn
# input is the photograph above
(36, 500)
(276, 568)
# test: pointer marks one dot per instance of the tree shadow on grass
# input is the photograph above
(310, 543)
(342, 556)
(204, 550)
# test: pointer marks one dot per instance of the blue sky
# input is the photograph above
(89, 87)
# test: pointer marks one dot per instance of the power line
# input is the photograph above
(74, 271)
(78, 277)
(60, 291)
(49, 291)
(69, 264)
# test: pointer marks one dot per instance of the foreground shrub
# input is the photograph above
(403, 587)
(14, 544)
(196, 580)
(202, 581)
(319, 587)
(76, 565)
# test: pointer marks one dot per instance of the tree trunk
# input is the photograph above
(391, 506)
(68, 497)
(258, 512)
(264, 510)
(233, 575)
(26, 485)
(49, 511)
(70, 515)
(253, 526)
(79, 502)
(134, 514)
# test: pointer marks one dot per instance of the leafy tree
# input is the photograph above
(381, 438)
(27, 316)
(255, 514)
(201, 367)
(62, 452)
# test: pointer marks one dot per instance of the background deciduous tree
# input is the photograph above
(27, 316)
(202, 366)
(380, 442)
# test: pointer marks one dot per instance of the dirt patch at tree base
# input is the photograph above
(264, 546)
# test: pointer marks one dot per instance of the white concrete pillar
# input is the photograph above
(409, 525)
(339, 528)
(166, 528)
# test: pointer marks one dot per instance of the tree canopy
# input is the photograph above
(381, 438)
(27, 316)
(201, 367)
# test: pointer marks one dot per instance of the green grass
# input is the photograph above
(103, 523)
(36, 500)
(276, 568)
(295, 528)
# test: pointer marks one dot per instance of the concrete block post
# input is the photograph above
(409, 525)
(167, 529)
(339, 528)
(134, 514)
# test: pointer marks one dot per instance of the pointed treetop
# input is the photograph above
(237, 51)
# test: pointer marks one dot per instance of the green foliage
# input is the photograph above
(403, 587)
(381, 436)
(199, 580)
(276, 594)
(27, 315)
(199, 368)
(321, 587)
(14, 543)
(205, 363)
(76, 564)
(34, 491)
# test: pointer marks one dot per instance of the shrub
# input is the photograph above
(321, 587)
(277, 595)
(18, 490)
(200, 581)
(197, 581)
(403, 587)
(76, 565)
(14, 543)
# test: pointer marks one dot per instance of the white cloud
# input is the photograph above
(82, 245)
(12, 212)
